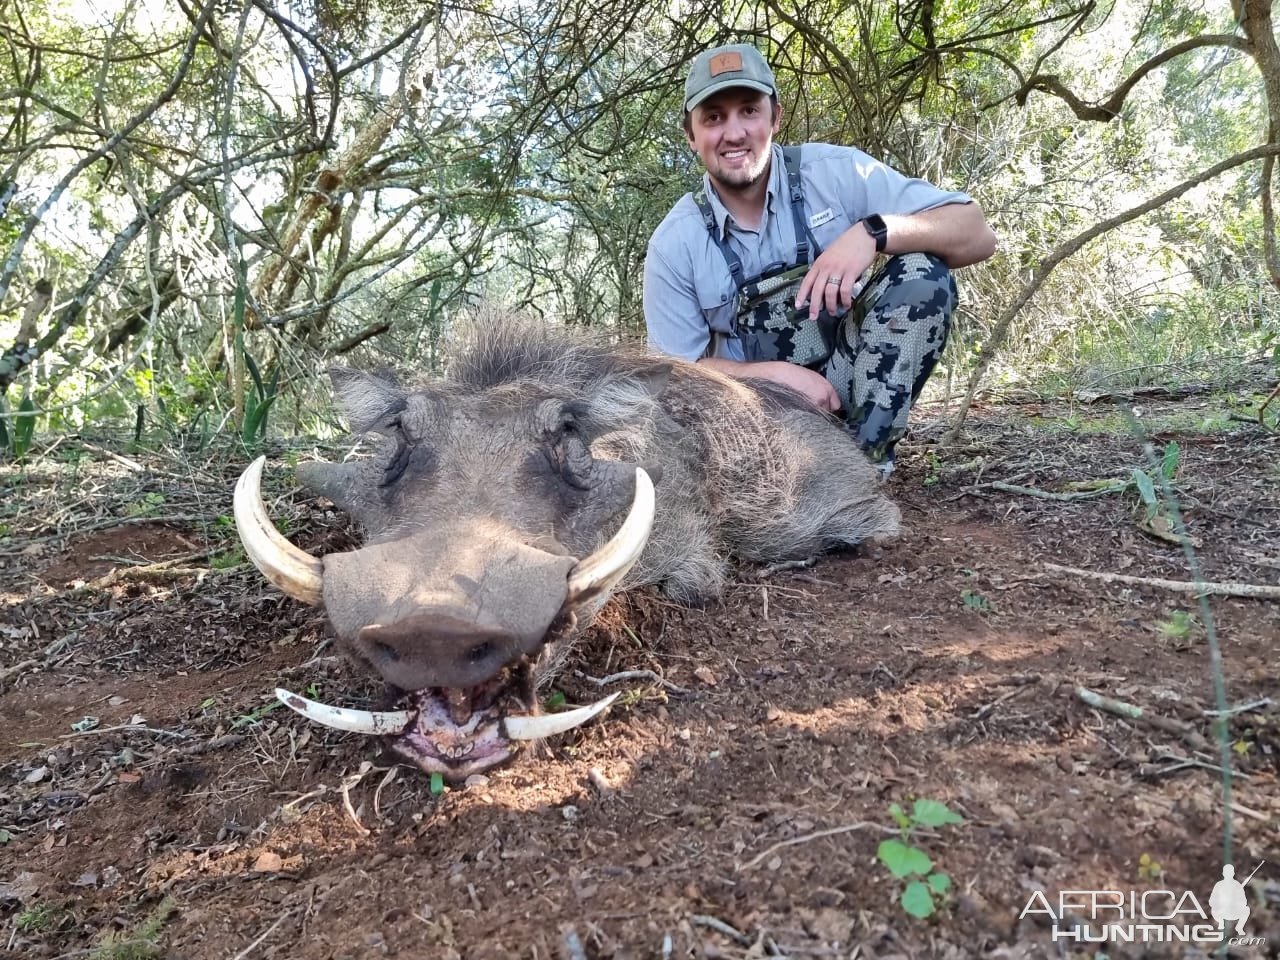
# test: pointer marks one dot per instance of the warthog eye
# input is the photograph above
(480, 652)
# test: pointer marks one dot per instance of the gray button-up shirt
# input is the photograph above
(689, 296)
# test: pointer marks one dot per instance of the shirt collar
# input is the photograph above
(777, 178)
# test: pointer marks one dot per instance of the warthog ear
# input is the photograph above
(624, 397)
(366, 398)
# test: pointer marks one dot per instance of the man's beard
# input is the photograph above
(744, 179)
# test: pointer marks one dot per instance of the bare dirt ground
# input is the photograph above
(156, 801)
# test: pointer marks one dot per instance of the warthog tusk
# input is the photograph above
(600, 572)
(340, 718)
(294, 571)
(535, 728)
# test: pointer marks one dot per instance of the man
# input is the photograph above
(760, 272)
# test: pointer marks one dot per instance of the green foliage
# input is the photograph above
(37, 917)
(18, 443)
(1148, 485)
(148, 506)
(258, 403)
(555, 701)
(1178, 626)
(905, 859)
(138, 943)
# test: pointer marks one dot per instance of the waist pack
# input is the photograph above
(767, 317)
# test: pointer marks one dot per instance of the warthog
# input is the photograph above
(505, 501)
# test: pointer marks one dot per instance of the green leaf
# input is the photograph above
(437, 783)
(934, 813)
(917, 900)
(557, 701)
(1146, 488)
(1169, 464)
(939, 883)
(903, 860)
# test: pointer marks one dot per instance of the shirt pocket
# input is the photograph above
(718, 301)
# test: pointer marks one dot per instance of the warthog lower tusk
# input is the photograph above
(294, 571)
(340, 718)
(535, 728)
(600, 572)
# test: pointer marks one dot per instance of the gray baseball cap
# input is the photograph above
(735, 65)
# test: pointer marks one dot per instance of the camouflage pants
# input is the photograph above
(887, 346)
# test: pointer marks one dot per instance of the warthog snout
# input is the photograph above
(431, 650)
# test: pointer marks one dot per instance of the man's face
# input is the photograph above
(731, 132)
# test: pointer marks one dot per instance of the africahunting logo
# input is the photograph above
(1149, 916)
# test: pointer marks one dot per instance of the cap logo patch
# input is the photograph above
(725, 63)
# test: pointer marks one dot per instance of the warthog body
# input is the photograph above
(486, 487)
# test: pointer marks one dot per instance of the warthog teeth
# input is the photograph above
(340, 718)
(535, 728)
(600, 572)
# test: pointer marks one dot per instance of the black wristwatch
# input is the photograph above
(875, 226)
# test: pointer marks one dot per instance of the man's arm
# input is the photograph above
(672, 316)
(810, 384)
(957, 233)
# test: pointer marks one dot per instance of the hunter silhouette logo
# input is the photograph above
(1149, 916)
(1229, 901)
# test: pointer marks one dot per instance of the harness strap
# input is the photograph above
(791, 159)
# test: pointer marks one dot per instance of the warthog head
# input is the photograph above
(504, 503)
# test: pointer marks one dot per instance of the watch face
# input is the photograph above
(878, 230)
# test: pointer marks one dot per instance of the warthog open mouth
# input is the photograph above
(454, 731)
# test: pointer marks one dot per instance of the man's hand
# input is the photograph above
(831, 279)
(810, 384)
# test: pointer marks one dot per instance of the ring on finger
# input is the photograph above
(833, 281)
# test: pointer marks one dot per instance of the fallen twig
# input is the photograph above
(266, 933)
(1052, 495)
(17, 668)
(633, 675)
(1120, 708)
(782, 565)
(818, 835)
(1256, 591)
(719, 926)
(1243, 708)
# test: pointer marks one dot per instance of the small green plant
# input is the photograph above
(932, 469)
(138, 943)
(437, 783)
(228, 559)
(1145, 483)
(257, 404)
(1149, 868)
(1178, 626)
(148, 506)
(24, 429)
(253, 716)
(975, 601)
(555, 701)
(37, 917)
(906, 861)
